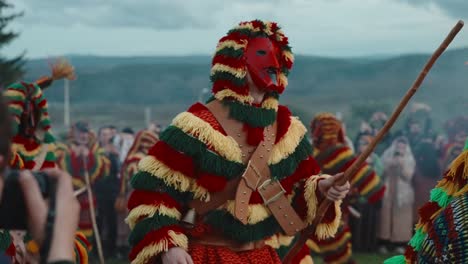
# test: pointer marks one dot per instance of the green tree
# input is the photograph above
(10, 69)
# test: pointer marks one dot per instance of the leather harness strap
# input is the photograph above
(257, 176)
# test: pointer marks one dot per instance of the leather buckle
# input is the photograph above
(251, 183)
(272, 198)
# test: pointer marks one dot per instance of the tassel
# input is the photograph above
(60, 69)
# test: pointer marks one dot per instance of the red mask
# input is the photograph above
(262, 63)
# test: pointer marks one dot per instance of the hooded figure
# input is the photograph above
(442, 230)
(334, 156)
(396, 216)
(231, 180)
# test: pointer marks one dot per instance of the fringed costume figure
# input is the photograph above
(33, 146)
(457, 131)
(144, 140)
(82, 155)
(231, 180)
(442, 230)
(334, 156)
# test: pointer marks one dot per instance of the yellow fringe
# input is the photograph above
(257, 212)
(371, 185)
(230, 44)
(13, 93)
(77, 183)
(145, 210)
(270, 103)
(248, 26)
(267, 29)
(288, 55)
(459, 161)
(313, 246)
(87, 232)
(359, 175)
(225, 146)
(228, 93)
(285, 240)
(218, 67)
(338, 159)
(22, 150)
(283, 80)
(335, 244)
(173, 178)
(288, 144)
(324, 230)
(149, 252)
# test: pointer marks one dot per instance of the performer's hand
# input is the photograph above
(332, 190)
(176, 255)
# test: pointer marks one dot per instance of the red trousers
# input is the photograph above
(203, 254)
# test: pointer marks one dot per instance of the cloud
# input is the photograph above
(155, 14)
(454, 8)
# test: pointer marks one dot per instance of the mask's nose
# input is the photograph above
(273, 73)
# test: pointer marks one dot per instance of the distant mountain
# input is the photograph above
(316, 83)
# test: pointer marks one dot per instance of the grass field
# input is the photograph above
(360, 258)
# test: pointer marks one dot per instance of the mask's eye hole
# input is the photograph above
(272, 70)
(261, 52)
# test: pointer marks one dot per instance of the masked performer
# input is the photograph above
(239, 170)
(333, 156)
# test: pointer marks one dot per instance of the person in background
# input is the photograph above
(106, 193)
(155, 128)
(144, 140)
(457, 131)
(396, 216)
(334, 156)
(441, 232)
(376, 123)
(364, 228)
(127, 136)
(82, 155)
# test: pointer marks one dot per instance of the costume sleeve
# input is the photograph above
(162, 188)
(368, 185)
(313, 197)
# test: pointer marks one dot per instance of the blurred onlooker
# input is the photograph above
(376, 123)
(82, 156)
(396, 215)
(144, 140)
(427, 172)
(457, 131)
(155, 128)
(127, 136)
(364, 239)
(106, 193)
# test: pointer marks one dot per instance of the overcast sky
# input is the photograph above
(179, 27)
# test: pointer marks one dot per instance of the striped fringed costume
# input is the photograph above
(442, 230)
(367, 187)
(333, 157)
(97, 166)
(144, 140)
(33, 145)
(195, 159)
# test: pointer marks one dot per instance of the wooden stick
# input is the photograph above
(93, 213)
(351, 171)
(80, 191)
